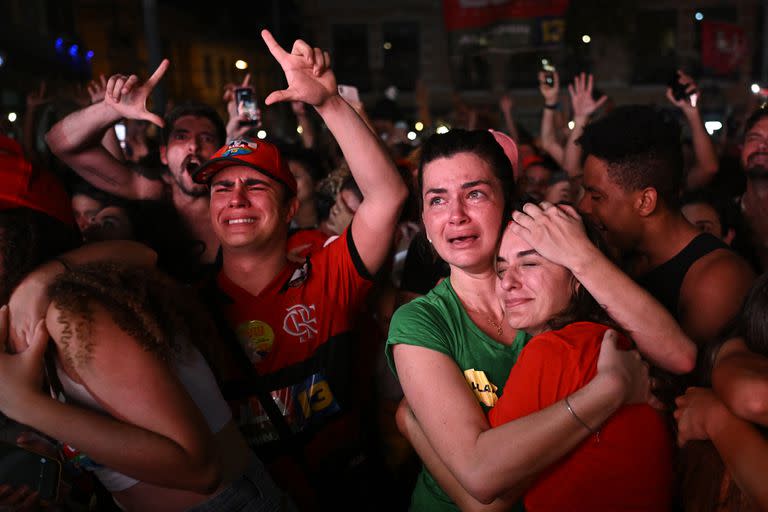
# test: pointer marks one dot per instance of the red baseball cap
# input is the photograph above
(22, 186)
(259, 155)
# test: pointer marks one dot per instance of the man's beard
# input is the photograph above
(196, 191)
(757, 173)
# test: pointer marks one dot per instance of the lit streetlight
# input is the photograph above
(419, 126)
(586, 39)
(12, 116)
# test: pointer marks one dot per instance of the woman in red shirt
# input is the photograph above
(627, 463)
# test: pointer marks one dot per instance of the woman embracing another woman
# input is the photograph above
(453, 349)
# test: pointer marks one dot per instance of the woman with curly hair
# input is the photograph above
(140, 407)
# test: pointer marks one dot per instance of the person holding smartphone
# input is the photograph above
(685, 95)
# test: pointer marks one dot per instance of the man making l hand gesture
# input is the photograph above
(293, 320)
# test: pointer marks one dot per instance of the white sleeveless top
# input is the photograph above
(198, 380)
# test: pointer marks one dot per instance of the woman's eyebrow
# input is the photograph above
(475, 183)
(529, 252)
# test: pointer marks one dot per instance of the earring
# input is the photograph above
(429, 240)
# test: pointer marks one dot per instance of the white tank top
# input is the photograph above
(198, 380)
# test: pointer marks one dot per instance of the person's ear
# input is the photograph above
(292, 208)
(646, 201)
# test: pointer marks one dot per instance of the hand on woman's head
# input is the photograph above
(556, 232)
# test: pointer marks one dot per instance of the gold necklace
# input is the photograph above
(496, 325)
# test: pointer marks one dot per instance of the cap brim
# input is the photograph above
(205, 173)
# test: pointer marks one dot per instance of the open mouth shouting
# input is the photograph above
(190, 164)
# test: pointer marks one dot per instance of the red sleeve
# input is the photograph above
(312, 237)
(341, 278)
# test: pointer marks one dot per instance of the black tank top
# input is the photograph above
(664, 282)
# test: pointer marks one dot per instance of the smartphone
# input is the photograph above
(246, 104)
(549, 72)
(678, 89)
(349, 93)
(20, 466)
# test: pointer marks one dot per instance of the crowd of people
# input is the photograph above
(198, 319)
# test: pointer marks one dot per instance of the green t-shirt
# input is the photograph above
(439, 322)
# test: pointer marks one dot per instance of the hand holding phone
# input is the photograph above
(549, 72)
(682, 90)
(247, 108)
(349, 93)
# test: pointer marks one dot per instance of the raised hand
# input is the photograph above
(129, 97)
(691, 101)
(35, 99)
(506, 103)
(237, 124)
(550, 93)
(581, 97)
(97, 89)
(307, 71)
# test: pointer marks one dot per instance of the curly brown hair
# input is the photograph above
(161, 315)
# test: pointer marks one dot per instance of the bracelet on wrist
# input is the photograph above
(553, 106)
(596, 432)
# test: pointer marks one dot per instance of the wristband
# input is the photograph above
(556, 106)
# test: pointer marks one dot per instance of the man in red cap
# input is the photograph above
(291, 321)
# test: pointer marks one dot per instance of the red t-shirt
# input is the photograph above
(314, 238)
(296, 334)
(628, 468)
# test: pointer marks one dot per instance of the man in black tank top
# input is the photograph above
(632, 172)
